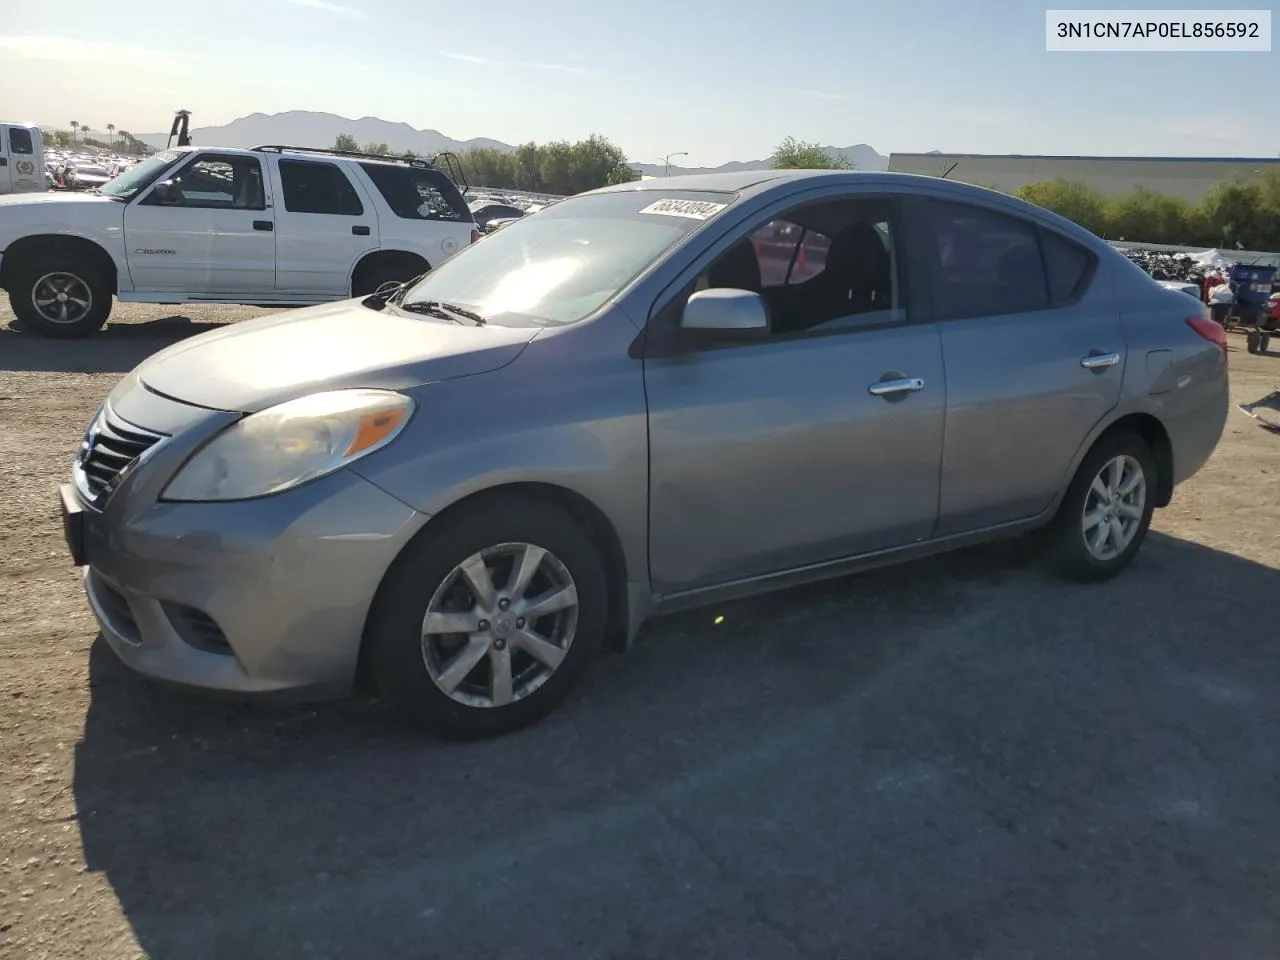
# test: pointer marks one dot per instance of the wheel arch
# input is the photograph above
(590, 518)
(1151, 430)
(378, 258)
(22, 251)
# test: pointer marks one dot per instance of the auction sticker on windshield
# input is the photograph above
(692, 209)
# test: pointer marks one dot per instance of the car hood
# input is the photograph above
(254, 364)
(34, 199)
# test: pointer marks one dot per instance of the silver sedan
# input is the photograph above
(647, 397)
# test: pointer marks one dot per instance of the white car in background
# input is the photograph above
(268, 226)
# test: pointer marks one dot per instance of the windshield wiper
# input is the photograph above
(438, 308)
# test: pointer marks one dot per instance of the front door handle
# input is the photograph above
(884, 388)
(360, 231)
(263, 225)
(1098, 361)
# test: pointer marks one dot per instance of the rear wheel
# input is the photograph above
(1252, 341)
(485, 624)
(60, 296)
(1107, 510)
(1264, 342)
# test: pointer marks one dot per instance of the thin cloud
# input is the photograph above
(327, 7)
(818, 94)
(514, 64)
(75, 50)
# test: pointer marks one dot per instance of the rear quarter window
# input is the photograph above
(1066, 265)
(418, 193)
(20, 141)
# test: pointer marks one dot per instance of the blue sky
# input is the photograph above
(720, 79)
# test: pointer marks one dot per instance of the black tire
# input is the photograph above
(1069, 554)
(394, 634)
(1264, 343)
(28, 273)
(385, 272)
(1251, 341)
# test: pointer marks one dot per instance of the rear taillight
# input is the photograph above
(475, 236)
(1212, 331)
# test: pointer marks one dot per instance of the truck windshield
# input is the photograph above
(561, 264)
(137, 178)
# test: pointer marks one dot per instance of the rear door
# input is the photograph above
(21, 160)
(213, 237)
(324, 224)
(1034, 355)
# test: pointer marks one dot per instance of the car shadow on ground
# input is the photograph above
(118, 348)
(957, 757)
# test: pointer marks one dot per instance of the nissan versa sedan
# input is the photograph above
(647, 397)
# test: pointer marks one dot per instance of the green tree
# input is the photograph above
(1067, 198)
(75, 125)
(111, 133)
(1151, 217)
(345, 141)
(793, 154)
(1235, 214)
(376, 148)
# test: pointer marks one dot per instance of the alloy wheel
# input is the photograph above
(61, 297)
(500, 625)
(1113, 507)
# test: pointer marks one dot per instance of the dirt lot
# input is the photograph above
(959, 758)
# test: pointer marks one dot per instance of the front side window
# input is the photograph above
(311, 186)
(562, 265)
(218, 182)
(820, 267)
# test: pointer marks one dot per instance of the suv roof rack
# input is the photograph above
(281, 148)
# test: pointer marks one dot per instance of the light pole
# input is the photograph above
(666, 161)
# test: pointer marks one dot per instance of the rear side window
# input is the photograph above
(316, 187)
(20, 141)
(418, 193)
(986, 264)
(1066, 266)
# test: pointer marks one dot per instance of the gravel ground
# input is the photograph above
(958, 758)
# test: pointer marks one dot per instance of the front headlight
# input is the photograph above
(278, 448)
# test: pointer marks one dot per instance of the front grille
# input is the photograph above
(110, 446)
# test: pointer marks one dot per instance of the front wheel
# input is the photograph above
(60, 297)
(1104, 516)
(484, 624)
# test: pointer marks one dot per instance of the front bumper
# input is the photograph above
(264, 596)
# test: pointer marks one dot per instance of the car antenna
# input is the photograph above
(954, 164)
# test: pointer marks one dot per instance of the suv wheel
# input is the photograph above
(60, 297)
(389, 273)
(1104, 517)
(484, 625)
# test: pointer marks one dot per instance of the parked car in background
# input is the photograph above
(605, 412)
(85, 176)
(490, 215)
(265, 226)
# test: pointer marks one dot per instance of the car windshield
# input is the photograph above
(563, 264)
(136, 178)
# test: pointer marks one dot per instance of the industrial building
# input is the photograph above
(1188, 178)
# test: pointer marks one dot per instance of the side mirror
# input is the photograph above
(166, 191)
(726, 310)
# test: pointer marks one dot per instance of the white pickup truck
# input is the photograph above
(267, 226)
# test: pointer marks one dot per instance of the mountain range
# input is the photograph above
(306, 128)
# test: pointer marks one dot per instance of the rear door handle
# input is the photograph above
(263, 225)
(1097, 361)
(360, 231)
(885, 388)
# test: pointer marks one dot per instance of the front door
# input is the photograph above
(1035, 358)
(212, 234)
(323, 227)
(820, 442)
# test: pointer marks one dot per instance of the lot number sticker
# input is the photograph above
(692, 209)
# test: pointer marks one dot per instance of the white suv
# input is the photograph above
(267, 226)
